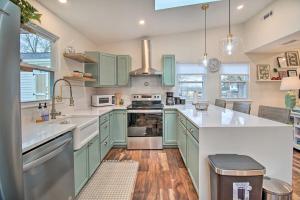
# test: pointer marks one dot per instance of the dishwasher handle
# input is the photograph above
(46, 157)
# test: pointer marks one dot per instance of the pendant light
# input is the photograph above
(231, 43)
(205, 57)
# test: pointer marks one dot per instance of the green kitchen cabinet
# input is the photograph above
(123, 69)
(105, 146)
(81, 168)
(118, 125)
(170, 128)
(86, 161)
(181, 140)
(193, 159)
(104, 70)
(108, 70)
(94, 155)
(168, 65)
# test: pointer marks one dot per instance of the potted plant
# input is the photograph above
(28, 12)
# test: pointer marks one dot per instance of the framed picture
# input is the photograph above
(292, 73)
(282, 74)
(292, 58)
(263, 72)
(281, 62)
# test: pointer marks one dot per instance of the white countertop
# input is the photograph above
(34, 135)
(222, 117)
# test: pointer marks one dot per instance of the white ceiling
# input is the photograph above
(107, 21)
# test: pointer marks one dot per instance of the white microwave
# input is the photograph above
(103, 100)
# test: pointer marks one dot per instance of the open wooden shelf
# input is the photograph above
(83, 79)
(79, 57)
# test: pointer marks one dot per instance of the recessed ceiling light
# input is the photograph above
(63, 1)
(142, 22)
(240, 7)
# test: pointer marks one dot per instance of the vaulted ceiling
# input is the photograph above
(108, 21)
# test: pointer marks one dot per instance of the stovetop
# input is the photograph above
(146, 102)
(159, 106)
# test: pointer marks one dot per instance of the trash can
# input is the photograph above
(236, 177)
(274, 189)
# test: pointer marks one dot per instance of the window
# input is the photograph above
(191, 78)
(234, 81)
(37, 66)
(165, 4)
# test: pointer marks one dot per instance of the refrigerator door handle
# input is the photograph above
(3, 12)
(46, 157)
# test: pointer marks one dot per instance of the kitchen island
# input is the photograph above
(223, 131)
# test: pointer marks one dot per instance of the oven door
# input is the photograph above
(145, 129)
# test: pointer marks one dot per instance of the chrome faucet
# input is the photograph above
(54, 113)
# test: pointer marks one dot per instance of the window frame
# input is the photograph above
(247, 83)
(204, 97)
(35, 29)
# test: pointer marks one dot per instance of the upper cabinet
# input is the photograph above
(168, 65)
(123, 69)
(109, 70)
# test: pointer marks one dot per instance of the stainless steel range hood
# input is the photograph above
(146, 69)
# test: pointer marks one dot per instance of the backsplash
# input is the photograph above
(82, 98)
(138, 85)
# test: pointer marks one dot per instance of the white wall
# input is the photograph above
(284, 22)
(188, 48)
(68, 36)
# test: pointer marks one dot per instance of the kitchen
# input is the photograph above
(142, 113)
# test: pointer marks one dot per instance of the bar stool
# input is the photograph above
(220, 103)
(273, 113)
(242, 107)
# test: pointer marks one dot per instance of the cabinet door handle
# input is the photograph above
(105, 143)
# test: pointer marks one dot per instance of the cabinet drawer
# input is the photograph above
(105, 147)
(192, 129)
(104, 118)
(182, 119)
(104, 130)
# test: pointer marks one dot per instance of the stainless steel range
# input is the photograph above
(145, 122)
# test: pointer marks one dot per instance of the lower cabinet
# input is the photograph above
(105, 146)
(188, 145)
(170, 128)
(118, 127)
(192, 159)
(86, 161)
(181, 140)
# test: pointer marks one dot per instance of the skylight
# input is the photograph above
(165, 4)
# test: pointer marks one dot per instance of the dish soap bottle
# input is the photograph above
(45, 113)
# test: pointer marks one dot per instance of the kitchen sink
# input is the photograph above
(87, 127)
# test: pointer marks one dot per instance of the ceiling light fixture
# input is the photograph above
(240, 7)
(205, 57)
(142, 22)
(63, 1)
(230, 44)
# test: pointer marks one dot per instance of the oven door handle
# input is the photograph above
(145, 111)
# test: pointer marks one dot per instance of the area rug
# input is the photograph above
(113, 180)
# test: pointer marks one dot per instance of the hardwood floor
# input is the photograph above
(162, 174)
(296, 175)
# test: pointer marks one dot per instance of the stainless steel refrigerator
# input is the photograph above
(11, 174)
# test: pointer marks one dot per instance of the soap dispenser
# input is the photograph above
(39, 116)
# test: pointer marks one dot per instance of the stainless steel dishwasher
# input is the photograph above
(49, 170)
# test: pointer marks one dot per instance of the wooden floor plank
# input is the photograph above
(163, 176)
